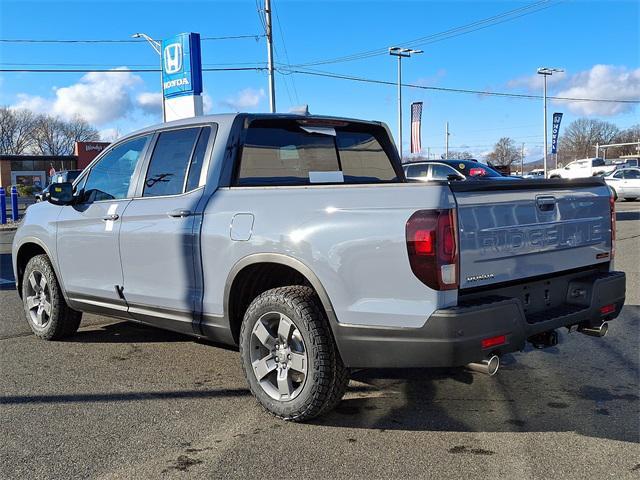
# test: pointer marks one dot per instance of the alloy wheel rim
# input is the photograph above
(38, 299)
(279, 358)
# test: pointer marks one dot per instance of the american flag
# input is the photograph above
(416, 123)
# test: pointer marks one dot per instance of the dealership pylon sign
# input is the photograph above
(182, 76)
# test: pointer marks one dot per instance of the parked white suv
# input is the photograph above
(585, 168)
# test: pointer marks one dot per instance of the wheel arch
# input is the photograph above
(279, 263)
(29, 248)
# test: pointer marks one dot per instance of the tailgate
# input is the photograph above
(515, 229)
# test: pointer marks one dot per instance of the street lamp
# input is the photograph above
(157, 46)
(401, 53)
(545, 72)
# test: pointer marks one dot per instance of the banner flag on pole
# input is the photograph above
(416, 125)
(557, 118)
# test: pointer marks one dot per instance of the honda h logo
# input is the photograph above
(173, 58)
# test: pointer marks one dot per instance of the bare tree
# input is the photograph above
(581, 136)
(628, 135)
(504, 152)
(16, 130)
(54, 136)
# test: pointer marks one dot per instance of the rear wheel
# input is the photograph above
(630, 199)
(47, 312)
(289, 356)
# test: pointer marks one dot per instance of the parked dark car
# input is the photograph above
(426, 170)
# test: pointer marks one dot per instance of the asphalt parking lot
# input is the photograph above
(119, 400)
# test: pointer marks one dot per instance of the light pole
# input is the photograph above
(401, 53)
(545, 72)
(157, 46)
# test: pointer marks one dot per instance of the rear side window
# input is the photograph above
(632, 174)
(169, 163)
(416, 171)
(286, 153)
(598, 162)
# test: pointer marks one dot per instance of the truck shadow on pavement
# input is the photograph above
(588, 386)
(427, 400)
(627, 215)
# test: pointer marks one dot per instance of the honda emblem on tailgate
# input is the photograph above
(173, 58)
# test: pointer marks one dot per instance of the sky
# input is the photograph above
(597, 43)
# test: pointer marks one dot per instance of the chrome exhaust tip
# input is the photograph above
(488, 366)
(599, 331)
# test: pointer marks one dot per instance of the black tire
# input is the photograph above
(630, 199)
(555, 176)
(62, 321)
(326, 377)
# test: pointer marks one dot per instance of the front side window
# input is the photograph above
(618, 175)
(169, 162)
(110, 177)
(285, 152)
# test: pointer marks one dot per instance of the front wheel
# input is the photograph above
(289, 356)
(47, 312)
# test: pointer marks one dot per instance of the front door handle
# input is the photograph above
(180, 213)
(111, 216)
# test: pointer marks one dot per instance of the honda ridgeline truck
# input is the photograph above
(298, 239)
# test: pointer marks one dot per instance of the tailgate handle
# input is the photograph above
(546, 204)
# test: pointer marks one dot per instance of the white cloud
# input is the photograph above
(109, 134)
(244, 99)
(98, 98)
(33, 102)
(603, 81)
(207, 103)
(150, 103)
(599, 82)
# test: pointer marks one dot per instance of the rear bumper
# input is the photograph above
(452, 336)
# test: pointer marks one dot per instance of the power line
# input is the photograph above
(454, 90)
(286, 54)
(115, 40)
(317, 73)
(446, 34)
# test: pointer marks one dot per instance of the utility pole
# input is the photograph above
(522, 159)
(400, 53)
(545, 72)
(446, 140)
(272, 86)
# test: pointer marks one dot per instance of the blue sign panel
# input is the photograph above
(181, 65)
(557, 118)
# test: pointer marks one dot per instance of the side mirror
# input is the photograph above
(567, 167)
(452, 177)
(60, 193)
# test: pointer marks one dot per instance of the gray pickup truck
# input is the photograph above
(298, 239)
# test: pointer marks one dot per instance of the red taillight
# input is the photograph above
(477, 172)
(612, 209)
(607, 309)
(432, 248)
(424, 242)
(494, 341)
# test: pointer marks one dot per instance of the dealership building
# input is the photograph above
(37, 169)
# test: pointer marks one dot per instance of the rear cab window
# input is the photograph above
(298, 152)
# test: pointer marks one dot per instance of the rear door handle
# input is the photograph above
(112, 217)
(180, 213)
